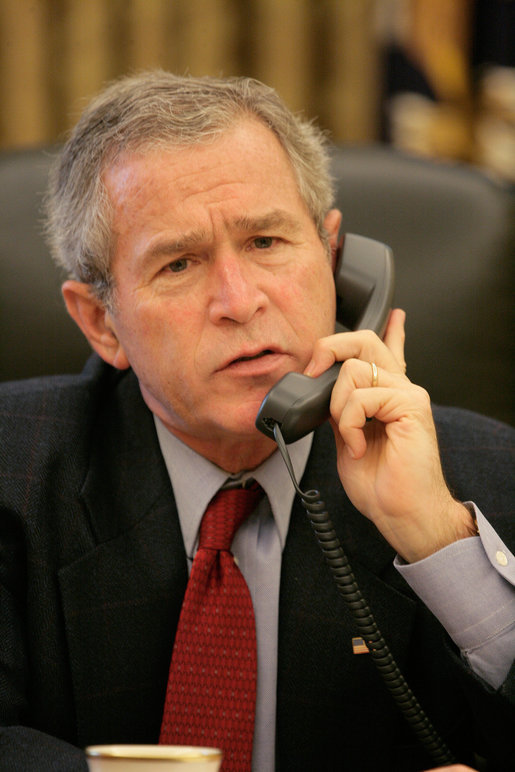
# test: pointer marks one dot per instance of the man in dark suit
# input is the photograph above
(194, 219)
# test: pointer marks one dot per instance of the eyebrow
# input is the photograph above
(277, 218)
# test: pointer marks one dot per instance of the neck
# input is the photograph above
(233, 456)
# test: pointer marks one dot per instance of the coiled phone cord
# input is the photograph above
(365, 623)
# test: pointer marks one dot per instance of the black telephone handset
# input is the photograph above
(364, 279)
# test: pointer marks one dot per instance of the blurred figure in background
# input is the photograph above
(450, 80)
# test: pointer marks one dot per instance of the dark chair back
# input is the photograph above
(451, 229)
(38, 337)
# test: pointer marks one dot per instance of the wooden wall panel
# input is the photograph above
(54, 54)
(282, 49)
(150, 43)
(24, 114)
(205, 32)
(352, 84)
(85, 50)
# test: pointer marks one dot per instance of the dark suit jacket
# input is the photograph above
(93, 572)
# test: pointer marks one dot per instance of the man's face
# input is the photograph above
(222, 282)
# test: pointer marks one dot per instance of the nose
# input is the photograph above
(234, 294)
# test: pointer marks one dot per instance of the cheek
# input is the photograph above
(155, 336)
(312, 293)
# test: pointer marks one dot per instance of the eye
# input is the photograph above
(178, 266)
(263, 242)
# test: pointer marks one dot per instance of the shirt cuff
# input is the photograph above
(467, 586)
(498, 554)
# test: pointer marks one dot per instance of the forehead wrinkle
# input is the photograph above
(191, 239)
(274, 219)
(179, 244)
(269, 220)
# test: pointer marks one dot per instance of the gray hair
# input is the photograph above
(157, 109)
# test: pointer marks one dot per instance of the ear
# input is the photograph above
(332, 224)
(95, 321)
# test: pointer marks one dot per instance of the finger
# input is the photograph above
(385, 404)
(357, 374)
(395, 335)
(361, 404)
(363, 344)
(323, 357)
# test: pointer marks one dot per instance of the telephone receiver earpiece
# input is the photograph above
(364, 280)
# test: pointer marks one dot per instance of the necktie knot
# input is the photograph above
(224, 515)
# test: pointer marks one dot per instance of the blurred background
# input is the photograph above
(418, 97)
(435, 77)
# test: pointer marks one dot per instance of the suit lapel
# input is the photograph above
(127, 592)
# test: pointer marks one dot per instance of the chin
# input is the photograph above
(239, 420)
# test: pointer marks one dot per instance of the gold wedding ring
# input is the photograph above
(374, 373)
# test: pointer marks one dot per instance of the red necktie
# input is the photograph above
(211, 694)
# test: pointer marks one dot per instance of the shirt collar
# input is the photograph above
(195, 480)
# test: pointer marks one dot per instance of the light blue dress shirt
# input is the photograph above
(468, 585)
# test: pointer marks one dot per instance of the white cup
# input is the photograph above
(152, 758)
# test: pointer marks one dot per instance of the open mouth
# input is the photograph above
(261, 354)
